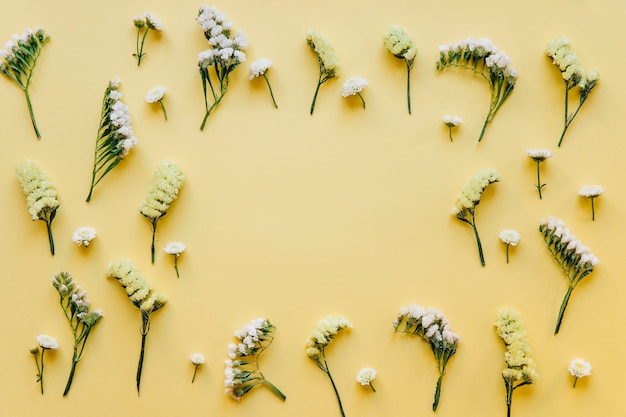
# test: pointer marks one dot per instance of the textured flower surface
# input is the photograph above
(327, 60)
(197, 358)
(353, 86)
(152, 22)
(399, 43)
(579, 368)
(366, 376)
(473, 190)
(539, 155)
(591, 191)
(259, 67)
(174, 248)
(84, 235)
(510, 237)
(47, 342)
(156, 94)
(452, 121)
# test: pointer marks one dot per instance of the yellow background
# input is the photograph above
(294, 217)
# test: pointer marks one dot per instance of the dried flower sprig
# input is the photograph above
(140, 293)
(431, 325)
(354, 86)
(168, 180)
(366, 377)
(175, 249)
(465, 207)
(115, 135)
(575, 259)
(579, 368)
(148, 22)
(321, 337)
(156, 95)
(399, 43)
(75, 306)
(83, 236)
(46, 343)
(482, 57)
(41, 196)
(509, 238)
(329, 66)
(242, 370)
(225, 54)
(538, 156)
(573, 74)
(196, 359)
(520, 368)
(259, 68)
(450, 122)
(18, 60)
(591, 192)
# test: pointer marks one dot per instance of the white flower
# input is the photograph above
(47, 342)
(174, 248)
(591, 191)
(84, 235)
(152, 22)
(366, 376)
(510, 237)
(259, 67)
(452, 121)
(353, 86)
(156, 94)
(539, 155)
(579, 368)
(197, 358)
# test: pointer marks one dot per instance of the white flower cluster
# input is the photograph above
(30, 38)
(430, 324)
(163, 191)
(249, 337)
(119, 116)
(197, 358)
(47, 342)
(41, 196)
(174, 248)
(473, 190)
(539, 155)
(329, 65)
(137, 287)
(510, 237)
(560, 50)
(366, 376)
(259, 67)
(579, 368)
(225, 51)
(591, 191)
(156, 94)
(152, 22)
(399, 43)
(520, 366)
(324, 333)
(452, 121)
(84, 235)
(353, 86)
(565, 247)
(472, 50)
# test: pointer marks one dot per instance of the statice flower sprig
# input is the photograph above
(367, 376)
(41, 196)
(147, 22)
(450, 122)
(520, 368)
(75, 306)
(465, 207)
(399, 43)
(326, 58)
(83, 236)
(115, 135)
(482, 57)
(538, 156)
(431, 325)
(156, 95)
(18, 60)
(575, 259)
(579, 368)
(196, 359)
(259, 68)
(168, 180)
(322, 336)
(224, 55)
(510, 238)
(560, 50)
(354, 86)
(242, 370)
(175, 249)
(140, 293)
(591, 192)
(45, 342)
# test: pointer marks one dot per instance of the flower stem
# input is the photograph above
(195, 370)
(362, 100)
(154, 228)
(509, 396)
(50, 239)
(145, 327)
(176, 267)
(270, 87)
(482, 132)
(317, 89)
(593, 211)
(539, 185)
(275, 390)
(140, 53)
(480, 246)
(437, 392)
(32, 115)
(450, 128)
(72, 371)
(575, 380)
(507, 253)
(163, 107)
(562, 309)
(336, 392)
(43, 350)
(372, 386)
(408, 85)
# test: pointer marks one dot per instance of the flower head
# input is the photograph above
(152, 22)
(156, 94)
(163, 191)
(509, 237)
(174, 248)
(366, 376)
(539, 155)
(520, 366)
(470, 196)
(329, 65)
(324, 333)
(259, 67)
(452, 121)
(591, 191)
(197, 358)
(399, 43)
(47, 342)
(353, 86)
(84, 235)
(579, 368)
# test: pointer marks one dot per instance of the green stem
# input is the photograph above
(450, 128)
(336, 392)
(32, 114)
(509, 397)
(593, 211)
(154, 228)
(140, 53)
(482, 132)
(43, 350)
(317, 89)
(362, 100)
(176, 266)
(437, 392)
(210, 109)
(267, 81)
(372, 386)
(275, 390)
(539, 185)
(562, 309)
(480, 246)
(408, 84)
(195, 370)
(50, 239)
(163, 107)
(145, 327)
(575, 380)
(72, 371)
(507, 253)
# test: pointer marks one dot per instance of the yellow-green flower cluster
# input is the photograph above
(323, 334)
(41, 196)
(329, 64)
(520, 366)
(398, 42)
(163, 191)
(473, 190)
(137, 288)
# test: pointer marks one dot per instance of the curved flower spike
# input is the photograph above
(399, 43)
(329, 66)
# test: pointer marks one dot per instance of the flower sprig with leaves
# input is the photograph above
(45, 342)
(465, 207)
(41, 196)
(115, 135)
(482, 57)
(168, 180)
(75, 305)
(140, 293)
(321, 337)
(18, 60)
(326, 58)
(259, 68)
(538, 156)
(575, 259)
(520, 368)
(224, 55)
(560, 50)
(431, 325)
(399, 43)
(242, 369)
(147, 22)
(591, 192)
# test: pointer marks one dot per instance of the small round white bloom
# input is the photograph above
(591, 190)
(579, 368)
(156, 94)
(539, 154)
(353, 86)
(174, 248)
(197, 358)
(153, 22)
(510, 237)
(47, 342)
(366, 376)
(84, 235)
(452, 121)
(259, 67)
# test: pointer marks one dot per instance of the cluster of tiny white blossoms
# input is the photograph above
(398, 42)
(13, 46)
(510, 237)
(450, 122)
(366, 376)
(174, 248)
(83, 236)
(324, 333)
(225, 51)
(591, 191)
(259, 67)
(327, 60)
(150, 22)
(242, 371)
(579, 368)
(353, 86)
(196, 359)
(119, 116)
(539, 155)
(520, 368)
(156, 94)
(138, 289)
(47, 342)
(470, 196)
(433, 327)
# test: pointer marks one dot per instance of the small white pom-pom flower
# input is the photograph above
(354, 86)
(259, 67)
(84, 235)
(366, 376)
(47, 342)
(579, 368)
